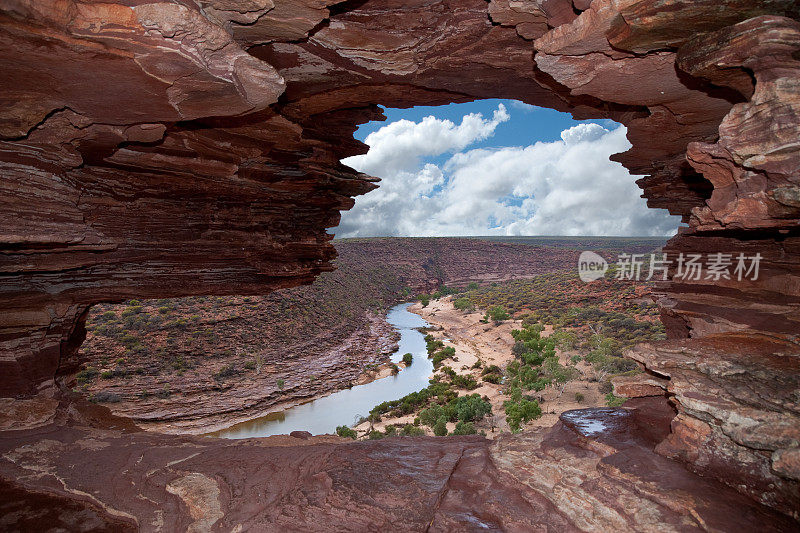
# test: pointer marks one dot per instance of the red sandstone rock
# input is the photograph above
(737, 399)
(553, 480)
(638, 386)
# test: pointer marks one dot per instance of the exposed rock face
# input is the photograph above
(178, 148)
(737, 396)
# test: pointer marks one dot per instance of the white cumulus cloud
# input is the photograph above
(566, 187)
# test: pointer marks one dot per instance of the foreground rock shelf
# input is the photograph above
(109, 475)
(182, 148)
(738, 397)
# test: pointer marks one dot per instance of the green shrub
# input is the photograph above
(492, 374)
(579, 397)
(281, 383)
(225, 372)
(464, 428)
(493, 378)
(464, 382)
(344, 431)
(445, 353)
(430, 415)
(86, 375)
(566, 340)
(497, 314)
(408, 359)
(519, 411)
(471, 408)
(440, 428)
(614, 401)
(410, 430)
(464, 304)
(375, 435)
(105, 397)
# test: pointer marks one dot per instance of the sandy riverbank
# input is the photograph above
(474, 340)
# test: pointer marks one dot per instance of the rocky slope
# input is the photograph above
(172, 148)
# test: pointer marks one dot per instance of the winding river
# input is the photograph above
(344, 407)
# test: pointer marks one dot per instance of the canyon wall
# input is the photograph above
(172, 148)
(198, 363)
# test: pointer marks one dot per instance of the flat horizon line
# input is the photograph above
(507, 237)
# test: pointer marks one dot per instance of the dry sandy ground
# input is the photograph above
(491, 344)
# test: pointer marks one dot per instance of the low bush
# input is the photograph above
(464, 304)
(344, 431)
(86, 375)
(105, 397)
(464, 428)
(464, 382)
(410, 430)
(225, 372)
(614, 401)
(445, 353)
(497, 314)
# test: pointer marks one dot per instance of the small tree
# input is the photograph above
(498, 314)
(521, 411)
(440, 429)
(408, 359)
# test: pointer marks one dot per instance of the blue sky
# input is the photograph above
(528, 124)
(496, 167)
